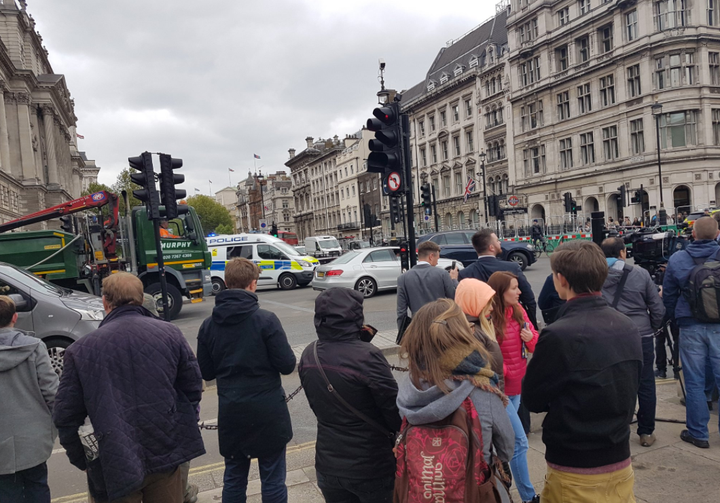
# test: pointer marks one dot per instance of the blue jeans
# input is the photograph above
(344, 490)
(29, 486)
(647, 398)
(699, 343)
(272, 478)
(518, 464)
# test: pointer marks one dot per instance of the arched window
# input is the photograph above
(491, 186)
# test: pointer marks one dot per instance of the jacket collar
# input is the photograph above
(585, 302)
(122, 311)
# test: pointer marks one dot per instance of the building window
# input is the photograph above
(444, 147)
(677, 129)
(714, 61)
(446, 185)
(712, 13)
(631, 25)
(587, 148)
(563, 16)
(605, 37)
(561, 57)
(458, 184)
(528, 31)
(583, 46)
(669, 14)
(607, 90)
(563, 105)
(566, 160)
(423, 157)
(583, 7)
(421, 127)
(633, 80)
(676, 70)
(534, 160)
(530, 71)
(494, 118)
(433, 153)
(456, 146)
(716, 126)
(637, 140)
(610, 143)
(660, 73)
(443, 119)
(469, 141)
(456, 113)
(468, 108)
(584, 99)
(531, 116)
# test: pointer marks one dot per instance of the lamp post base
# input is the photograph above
(662, 216)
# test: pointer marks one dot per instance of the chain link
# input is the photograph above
(294, 394)
(399, 369)
(204, 426)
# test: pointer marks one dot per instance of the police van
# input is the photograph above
(279, 262)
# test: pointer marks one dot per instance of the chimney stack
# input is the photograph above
(309, 141)
(291, 152)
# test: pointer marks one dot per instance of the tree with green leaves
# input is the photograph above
(224, 229)
(211, 213)
(124, 182)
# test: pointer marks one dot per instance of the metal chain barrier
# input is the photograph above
(293, 394)
(399, 369)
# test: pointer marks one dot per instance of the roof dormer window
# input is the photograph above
(444, 78)
(431, 85)
(473, 62)
(458, 70)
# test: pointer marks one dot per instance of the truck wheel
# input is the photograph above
(518, 258)
(56, 347)
(175, 298)
(287, 282)
(218, 286)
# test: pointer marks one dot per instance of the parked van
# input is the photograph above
(325, 247)
(280, 264)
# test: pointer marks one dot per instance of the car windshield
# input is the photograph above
(31, 280)
(285, 248)
(329, 243)
(344, 259)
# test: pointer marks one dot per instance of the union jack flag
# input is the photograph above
(469, 189)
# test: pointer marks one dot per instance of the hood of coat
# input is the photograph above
(16, 346)
(338, 314)
(615, 272)
(702, 248)
(234, 306)
(431, 404)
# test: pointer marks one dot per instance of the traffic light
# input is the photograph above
(568, 202)
(623, 195)
(491, 205)
(66, 224)
(425, 199)
(637, 198)
(395, 209)
(573, 207)
(367, 215)
(148, 194)
(404, 257)
(274, 230)
(386, 148)
(168, 180)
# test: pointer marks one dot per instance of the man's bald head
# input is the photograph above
(705, 228)
(122, 289)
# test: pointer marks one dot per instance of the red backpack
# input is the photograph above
(443, 462)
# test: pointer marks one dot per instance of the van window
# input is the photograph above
(380, 256)
(240, 251)
(268, 252)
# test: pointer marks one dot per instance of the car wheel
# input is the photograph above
(287, 282)
(175, 299)
(56, 347)
(218, 286)
(367, 287)
(519, 258)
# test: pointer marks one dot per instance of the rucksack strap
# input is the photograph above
(627, 269)
(333, 392)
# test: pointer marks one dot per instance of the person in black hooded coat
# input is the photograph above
(245, 349)
(353, 459)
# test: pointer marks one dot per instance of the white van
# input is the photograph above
(279, 262)
(323, 246)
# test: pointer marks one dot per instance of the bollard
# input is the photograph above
(598, 226)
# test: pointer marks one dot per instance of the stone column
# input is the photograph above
(48, 122)
(4, 142)
(26, 149)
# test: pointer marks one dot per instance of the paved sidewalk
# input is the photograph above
(670, 470)
(384, 340)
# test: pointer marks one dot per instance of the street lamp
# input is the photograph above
(656, 109)
(482, 157)
(259, 177)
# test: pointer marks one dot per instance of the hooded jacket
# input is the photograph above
(347, 446)
(431, 404)
(639, 300)
(245, 348)
(677, 273)
(28, 385)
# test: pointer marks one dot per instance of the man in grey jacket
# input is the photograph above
(28, 385)
(423, 283)
(632, 291)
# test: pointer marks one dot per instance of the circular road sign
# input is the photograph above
(513, 200)
(394, 181)
(426, 218)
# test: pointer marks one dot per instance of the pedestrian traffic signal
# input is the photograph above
(168, 180)
(386, 148)
(493, 205)
(395, 209)
(66, 224)
(573, 207)
(274, 230)
(623, 195)
(148, 194)
(637, 198)
(404, 257)
(425, 199)
(567, 196)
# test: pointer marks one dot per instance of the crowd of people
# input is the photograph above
(126, 406)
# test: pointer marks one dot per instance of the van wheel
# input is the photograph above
(218, 286)
(56, 347)
(175, 299)
(287, 282)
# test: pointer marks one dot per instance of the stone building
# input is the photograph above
(279, 203)
(40, 165)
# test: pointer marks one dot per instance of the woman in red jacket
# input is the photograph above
(517, 337)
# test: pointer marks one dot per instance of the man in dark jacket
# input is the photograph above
(585, 374)
(698, 341)
(137, 380)
(353, 458)
(632, 291)
(487, 246)
(245, 349)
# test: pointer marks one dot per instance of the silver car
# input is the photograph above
(368, 270)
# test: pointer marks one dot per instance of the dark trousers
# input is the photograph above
(647, 400)
(663, 340)
(28, 486)
(344, 490)
(272, 479)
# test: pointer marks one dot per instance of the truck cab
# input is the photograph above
(324, 248)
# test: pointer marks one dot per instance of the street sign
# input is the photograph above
(385, 187)
(513, 201)
(426, 218)
(263, 223)
(394, 181)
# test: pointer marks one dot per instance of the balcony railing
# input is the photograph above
(349, 226)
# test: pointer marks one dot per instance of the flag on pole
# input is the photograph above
(469, 188)
(231, 170)
(197, 190)
(210, 181)
(256, 156)
(80, 136)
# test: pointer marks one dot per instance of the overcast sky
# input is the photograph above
(214, 82)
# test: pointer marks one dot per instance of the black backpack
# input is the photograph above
(702, 290)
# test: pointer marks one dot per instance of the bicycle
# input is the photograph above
(543, 246)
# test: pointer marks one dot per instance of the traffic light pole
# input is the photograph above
(434, 204)
(407, 163)
(161, 270)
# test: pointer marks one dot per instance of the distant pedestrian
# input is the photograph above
(699, 338)
(517, 338)
(423, 283)
(537, 232)
(632, 291)
(627, 223)
(245, 349)
(585, 374)
(636, 222)
(28, 385)
(358, 418)
(138, 382)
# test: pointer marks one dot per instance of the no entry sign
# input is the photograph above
(394, 181)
